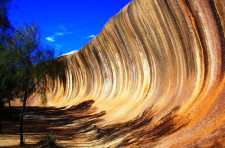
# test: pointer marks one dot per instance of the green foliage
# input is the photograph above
(4, 22)
(8, 83)
(28, 56)
(57, 69)
(5, 26)
(4, 35)
(5, 75)
(48, 141)
(24, 62)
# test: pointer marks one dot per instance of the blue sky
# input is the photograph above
(66, 25)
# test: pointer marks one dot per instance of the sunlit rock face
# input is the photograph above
(157, 69)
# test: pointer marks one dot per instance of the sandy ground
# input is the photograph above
(67, 126)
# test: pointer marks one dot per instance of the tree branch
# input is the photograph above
(29, 90)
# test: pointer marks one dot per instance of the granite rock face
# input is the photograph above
(157, 69)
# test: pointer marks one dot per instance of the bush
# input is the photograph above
(48, 141)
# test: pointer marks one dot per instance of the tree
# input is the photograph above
(8, 87)
(5, 26)
(4, 21)
(24, 63)
(4, 36)
(32, 63)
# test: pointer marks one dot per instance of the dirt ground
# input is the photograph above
(69, 126)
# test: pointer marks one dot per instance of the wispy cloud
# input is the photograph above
(50, 39)
(59, 33)
(58, 46)
(63, 33)
(68, 32)
(62, 27)
(91, 36)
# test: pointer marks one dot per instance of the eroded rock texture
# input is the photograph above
(157, 70)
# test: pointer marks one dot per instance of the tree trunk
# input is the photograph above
(21, 119)
(10, 109)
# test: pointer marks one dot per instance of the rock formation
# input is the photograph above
(157, 70)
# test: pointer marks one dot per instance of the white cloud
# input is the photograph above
(91, 36)
(50, 39)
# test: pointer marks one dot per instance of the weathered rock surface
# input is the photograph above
(158, 70)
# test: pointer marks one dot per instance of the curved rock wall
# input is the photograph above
(158, 70)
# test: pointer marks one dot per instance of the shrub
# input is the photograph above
(48, 141)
